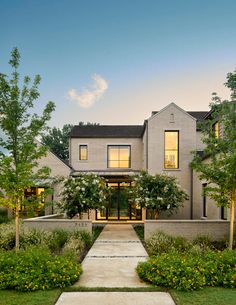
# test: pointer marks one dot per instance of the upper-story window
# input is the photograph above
(216, 130)
(83, 152)
(171, 149)
(118, 156)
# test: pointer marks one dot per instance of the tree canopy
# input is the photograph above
(20, 127)
(158, 192)
(218, 166)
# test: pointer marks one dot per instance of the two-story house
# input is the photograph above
(163, 144)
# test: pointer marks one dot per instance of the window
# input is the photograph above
(83, 152)
(204, 200)
(118, 156)
(171, 149)
(224, 212)
(216, 130)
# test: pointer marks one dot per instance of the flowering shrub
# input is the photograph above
(189, 271)
(37, 269)
(83, 193)
(159, 192)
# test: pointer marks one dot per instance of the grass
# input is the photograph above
(12, 297)
(209, 296)
(96, 231)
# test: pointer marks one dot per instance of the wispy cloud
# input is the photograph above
(89, 96)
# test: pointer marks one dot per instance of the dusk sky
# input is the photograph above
(115, 61)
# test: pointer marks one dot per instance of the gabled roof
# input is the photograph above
(107, 131)
(199, 115)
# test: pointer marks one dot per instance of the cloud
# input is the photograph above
(88, 97)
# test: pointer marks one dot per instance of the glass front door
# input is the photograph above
(119, 207)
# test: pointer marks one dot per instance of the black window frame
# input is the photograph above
(204, 200)
(80, 146)
(118, 145)
(171, 168)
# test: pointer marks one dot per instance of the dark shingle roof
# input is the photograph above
(199, 115)
(107, 131)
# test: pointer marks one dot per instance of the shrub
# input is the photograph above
(34, 237)
(37, 269)
(57, 240)
(173, 270)
(203, 241)
(161, 242)
(189, 271)
(85, 236)
(7, 236)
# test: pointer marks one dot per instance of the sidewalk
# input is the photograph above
(111, 262)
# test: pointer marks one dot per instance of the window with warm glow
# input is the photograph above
(118, 156)
(216, 130)
(83, 152)
(171, 149)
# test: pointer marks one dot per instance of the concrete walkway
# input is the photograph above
(111, 262)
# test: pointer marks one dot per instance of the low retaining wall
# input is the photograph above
(52, 222)
(216, 229)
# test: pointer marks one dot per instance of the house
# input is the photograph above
(163, 144)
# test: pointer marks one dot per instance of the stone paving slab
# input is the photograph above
(117, 249)
(112, 272)
(113, 232)
(115, 298)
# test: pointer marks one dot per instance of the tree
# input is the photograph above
(218, 166)
(19, 150)
(58, 140)
(82, 193)
(158, 192)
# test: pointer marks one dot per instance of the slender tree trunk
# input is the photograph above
(17, 223)
(232, 210)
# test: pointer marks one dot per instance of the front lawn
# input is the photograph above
(209, 296)
(206, 296)
(12, 297)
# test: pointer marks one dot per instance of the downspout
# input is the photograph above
(191, 193)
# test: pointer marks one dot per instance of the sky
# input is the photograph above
(116, 61)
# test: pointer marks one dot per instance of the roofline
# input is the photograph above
(171, 104)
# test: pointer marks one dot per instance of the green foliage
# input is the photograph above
(19, 153)
(139, 229)
(7, 236)
(159, 192)
(82, 193)
(220, 150)
(161, 242)
(57, 240)
(187, 271)
(58, 140)
(36, 269)
(203, 241)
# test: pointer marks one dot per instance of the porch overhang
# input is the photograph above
(108, 173)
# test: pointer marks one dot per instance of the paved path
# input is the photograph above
(111, 262)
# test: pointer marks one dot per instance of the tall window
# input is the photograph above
(171, 149)
(216, 130)
(204, 200)
(83, 152)
(118, 156)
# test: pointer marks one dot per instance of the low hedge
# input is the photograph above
(188, 271)
(37, 269)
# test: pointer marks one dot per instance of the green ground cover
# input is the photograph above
(209, 296)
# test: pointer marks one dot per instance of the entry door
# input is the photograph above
(112, 210)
